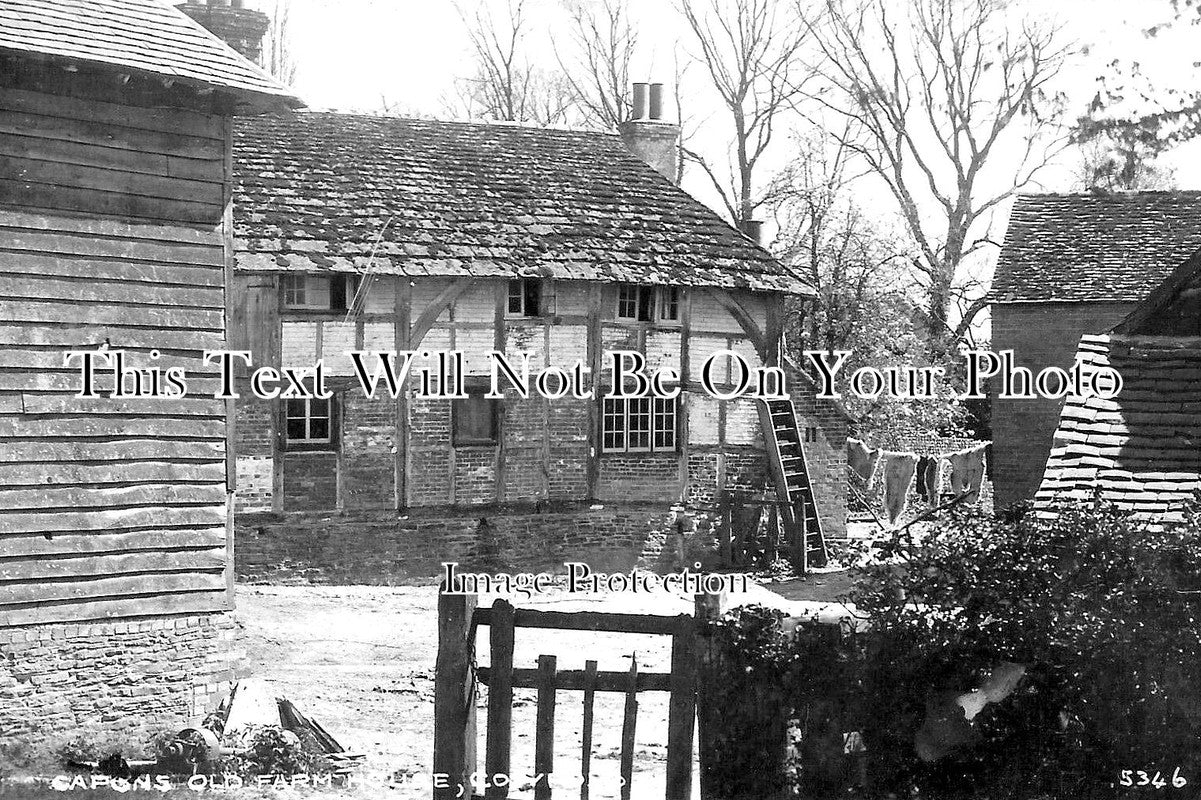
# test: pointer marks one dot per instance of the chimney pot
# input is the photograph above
(656, 101)
(753, 228)
(650, 138)
(639, 101)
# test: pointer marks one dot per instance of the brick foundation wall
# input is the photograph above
(131, 678)
(1041, 335)
(381, 549)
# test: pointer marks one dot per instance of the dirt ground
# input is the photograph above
(360, 660)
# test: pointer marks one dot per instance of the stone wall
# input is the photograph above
(131, 678)
(1041, 335)
(381, 548)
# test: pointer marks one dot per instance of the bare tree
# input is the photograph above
(856, 268)
(929, 111)
(277, 52)
(505, 84)
(603, 42)
(749, 49)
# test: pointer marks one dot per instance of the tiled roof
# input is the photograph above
(1142, 449)
(1095, 247)
(136, 36)
(319, 191)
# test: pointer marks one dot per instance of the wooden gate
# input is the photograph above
(455, 696)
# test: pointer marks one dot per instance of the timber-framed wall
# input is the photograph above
(402, 453)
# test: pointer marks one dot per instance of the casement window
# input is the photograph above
(638, 425)
(310, 424)
(319, 292)
(648, 303)
(525, 297)
(475, 420)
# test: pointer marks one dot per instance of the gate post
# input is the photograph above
(454, 697)
(681, 709)
(706, 609)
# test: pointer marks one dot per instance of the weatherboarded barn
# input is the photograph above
(1142, 449)
(371, 233)
(115, 549)
(1072, 264)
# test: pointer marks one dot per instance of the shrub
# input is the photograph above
(1099, 609)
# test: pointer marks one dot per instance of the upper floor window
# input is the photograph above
(648, 303)
(525, 297)
(638, 425)
(319, 292)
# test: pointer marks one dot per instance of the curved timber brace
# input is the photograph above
(765, 340)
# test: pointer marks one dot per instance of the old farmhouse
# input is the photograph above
(1142, 449)
(1072, 264)
(115, 235)
(357, 232)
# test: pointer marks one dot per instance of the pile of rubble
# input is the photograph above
(250, 708)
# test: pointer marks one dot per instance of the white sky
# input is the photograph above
(357, 55)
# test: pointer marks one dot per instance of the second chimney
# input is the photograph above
(240, 28)
(648, 136)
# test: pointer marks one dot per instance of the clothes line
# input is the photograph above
(899, 469)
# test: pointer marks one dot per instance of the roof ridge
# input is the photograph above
(486, 123)
(1112, 194)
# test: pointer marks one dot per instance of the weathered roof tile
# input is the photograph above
(1159, 455)
(1095, 247)
(445, 198)
(138, 36)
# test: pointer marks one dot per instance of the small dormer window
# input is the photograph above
(319, 292)
(648, 303)
(525, 297)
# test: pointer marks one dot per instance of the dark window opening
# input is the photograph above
(648, 303)
(525, 297)
(475, 420)
(319, 292)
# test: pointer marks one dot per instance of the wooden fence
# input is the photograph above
(455, 755)
(751, 532)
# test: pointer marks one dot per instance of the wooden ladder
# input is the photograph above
(798, 508)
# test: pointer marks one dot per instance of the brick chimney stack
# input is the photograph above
(649, 136)
(241, 28)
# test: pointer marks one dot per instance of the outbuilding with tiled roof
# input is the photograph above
(1070, 265)
(116, 583)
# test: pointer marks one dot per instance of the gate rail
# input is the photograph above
(456, 678)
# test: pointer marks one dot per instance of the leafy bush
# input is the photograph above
(1098, 609)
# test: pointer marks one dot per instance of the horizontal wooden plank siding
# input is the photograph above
(110, 238)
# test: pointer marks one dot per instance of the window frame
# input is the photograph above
(335, 285)
(309, 443)
(656, 411)
(653, 300)
(523, 298)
